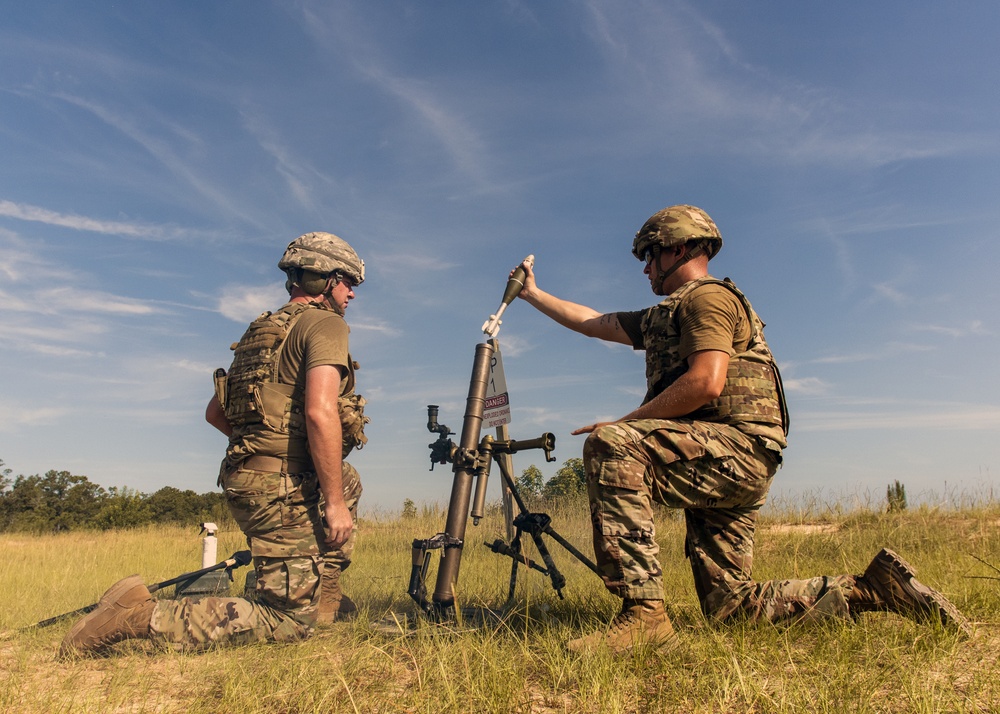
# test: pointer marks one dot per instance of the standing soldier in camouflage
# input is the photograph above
(707, 438)
(291, 414)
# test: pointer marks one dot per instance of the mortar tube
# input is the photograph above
(461, 490)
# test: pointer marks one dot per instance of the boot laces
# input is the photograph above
(624, 620)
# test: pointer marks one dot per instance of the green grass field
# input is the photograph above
(883, 663)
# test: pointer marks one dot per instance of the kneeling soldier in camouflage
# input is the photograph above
(708, 438)
(291, 414)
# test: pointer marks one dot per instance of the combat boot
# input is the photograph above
(640, 622)
(889, 584)
(333, 603)
(123, 612)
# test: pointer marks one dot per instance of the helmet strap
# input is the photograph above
(332, 280)
(690, 254)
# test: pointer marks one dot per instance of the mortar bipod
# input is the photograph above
(534, 524)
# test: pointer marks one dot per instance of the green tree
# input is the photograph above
(895, 496)
(171, 505)
(123, 508)
(569, 480)
(4, 477)
(57, 501)
(5, 482)
(530, 482)
(61, 501)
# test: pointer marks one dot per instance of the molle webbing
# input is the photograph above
(352, 420)
(254, 373)
(749, 395)
(753, 392)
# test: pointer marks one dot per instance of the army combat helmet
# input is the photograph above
(311, 259)
(675, 225)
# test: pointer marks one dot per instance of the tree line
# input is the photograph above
(61, 501)
(569, 480)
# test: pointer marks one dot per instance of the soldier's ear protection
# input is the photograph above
(313, 283)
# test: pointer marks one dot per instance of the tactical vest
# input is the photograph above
(753, 396)
(254, 400)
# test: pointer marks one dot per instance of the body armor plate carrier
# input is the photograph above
(753, 396)
(252, 397)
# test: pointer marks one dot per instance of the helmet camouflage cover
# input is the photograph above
(323, 253)
(675, 225)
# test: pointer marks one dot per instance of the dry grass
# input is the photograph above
(518, 664)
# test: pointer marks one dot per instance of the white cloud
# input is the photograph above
(69, 299)
(888, 292)
(243, 303)
(161, 150)
(369, 324)
(26, 212)
(121, 229)
(926, 416)
(409, 263)
(974, 327)
(805, 385)
(889, 350)
(514, 346)
(13, 416)
(437, 112)
(186, 365)
(303, 180)
(673, 65)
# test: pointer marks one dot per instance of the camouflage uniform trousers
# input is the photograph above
(340, 558)
(720, 477)
(281, 517)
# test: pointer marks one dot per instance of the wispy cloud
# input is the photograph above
(888, 351)
(84, 223)
(437, 112)
(13, 416)
(457, 137)
(243, 303)
(972, 328)
(369, 324)
(398, 263)
(66, 299)
(805, 386)
(160, 149)
(122, 229)
(71, 300)
(303, 180)
(890, 293)
(545, 418)
(971, 417)
(661, 51)
(514, 346)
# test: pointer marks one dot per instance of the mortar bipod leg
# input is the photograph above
(515, 545)
(558, 579)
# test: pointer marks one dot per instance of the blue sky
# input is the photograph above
(157, 158)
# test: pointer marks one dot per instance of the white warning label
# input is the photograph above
(496, 411)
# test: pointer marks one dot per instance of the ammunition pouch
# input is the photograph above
(352, 422)
(280, 408)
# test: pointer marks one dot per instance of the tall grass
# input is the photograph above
(388, 660)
